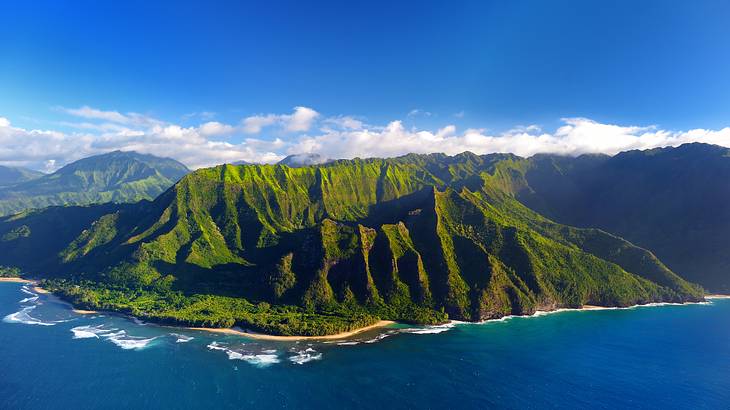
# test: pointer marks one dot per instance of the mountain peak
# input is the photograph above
(117, 176)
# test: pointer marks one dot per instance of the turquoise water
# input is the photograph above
(649, 357)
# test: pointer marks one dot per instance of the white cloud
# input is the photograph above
(48, 150)
(93, 113)
(216, 128)
(254, 124)
(299, 121)
(213, 142)
(203, 115)
(344, 122)
(419, 112)
(577, 136)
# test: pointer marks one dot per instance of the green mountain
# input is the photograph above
(670, 200)
(15, 175)
(113, 177)
(320, 249)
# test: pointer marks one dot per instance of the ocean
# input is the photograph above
(657, 357)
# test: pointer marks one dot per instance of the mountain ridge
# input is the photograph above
(416, 238)
(112, 177)
(14, 175)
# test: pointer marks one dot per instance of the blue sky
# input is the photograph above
(492, 66)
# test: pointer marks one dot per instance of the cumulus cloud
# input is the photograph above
(194, 146)
(216, 128)
(576, 136)
(344, 122)
(212, 142)
(254, 124)
(299, 121)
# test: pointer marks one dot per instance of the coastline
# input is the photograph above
(16, 280)
(84, 312)
(261, 336)
(587, 308)
(380, 324)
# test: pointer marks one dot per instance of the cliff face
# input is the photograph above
(405, 238)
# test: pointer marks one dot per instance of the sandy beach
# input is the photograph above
(592, 307)
(260, 336)
(717, 296)
(85, 312)
(16, 280)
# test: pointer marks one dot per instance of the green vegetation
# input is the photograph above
(323, 249)
(175, 308)
(9, 272)
(113, 177)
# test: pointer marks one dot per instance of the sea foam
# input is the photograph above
(114, 335)
(181, 338)
(22, 316)
(88, 331)
(429, 330)
(305, 356)
(264, 358)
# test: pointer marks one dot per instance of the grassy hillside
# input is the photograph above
(319, 249)
(113, 177)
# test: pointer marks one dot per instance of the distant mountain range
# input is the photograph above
(15, 175)
(113, 177)
(418, 238)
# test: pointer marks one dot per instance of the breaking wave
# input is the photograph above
(430, 330)
(27, 291)
(305, 356)
(29, 299)
(264, 358)
(22, 316)
(126, 342)
(114, 335)
(181, 338)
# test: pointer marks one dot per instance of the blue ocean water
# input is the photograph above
(641, 358)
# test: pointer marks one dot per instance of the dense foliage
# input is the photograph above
(320, 249)
(9, 272)
(176, 308)
(113, 177)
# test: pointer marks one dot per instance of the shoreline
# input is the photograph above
(716, 296)
(16, 280)
(380, 324)
(261, 336)
(84, 312)
(588, 308)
